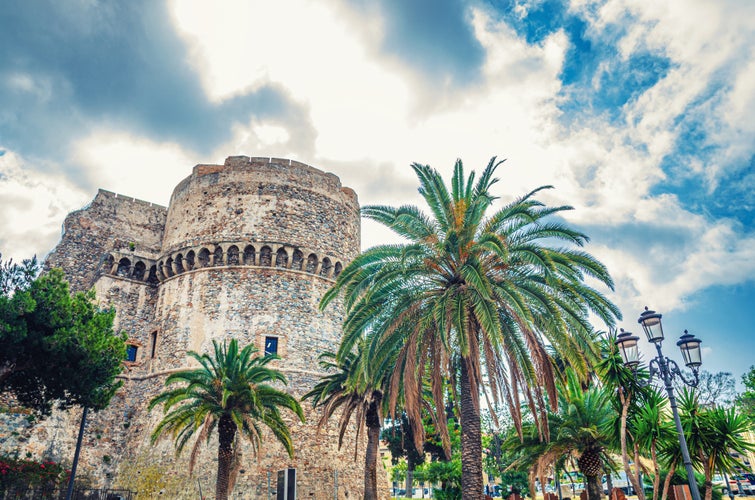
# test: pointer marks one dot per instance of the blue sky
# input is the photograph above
(639, 113)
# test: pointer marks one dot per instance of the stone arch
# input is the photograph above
(204, 258)
(168, 268)
(179, 263)
(190, 260)
(124, 267)
(297, 261)
(217, 257)
(311, 263)
(249, 254)
(337, 270)
(139, 270)
(281, 258)
(152, 277)
(232, 257)
(108, 261)
(326, 267)
(266, 256)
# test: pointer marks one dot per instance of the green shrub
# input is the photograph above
(18, 475)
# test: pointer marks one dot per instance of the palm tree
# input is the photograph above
(581, 428)
(652, 428)
(629, 387)
(352, 388)
(585, 428)
(475, 291)
(712, 435)
(230, 392)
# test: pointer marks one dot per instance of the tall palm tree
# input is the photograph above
(230, 392)
(354, 387)
(475, 290)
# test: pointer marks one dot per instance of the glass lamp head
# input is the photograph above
(651, 325)
(627, 344)
(691, 352)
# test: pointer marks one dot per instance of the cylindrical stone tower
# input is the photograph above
(249, 249)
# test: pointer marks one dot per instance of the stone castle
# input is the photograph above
(244, 250)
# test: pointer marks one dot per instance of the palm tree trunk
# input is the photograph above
(531, 482)
(373, 441)
(609, 483)
(471, 437)
(656, 472)
(667, 482)
(637, 480)
(708, 485)
(226, 433)
(625, 402)
(594, 488)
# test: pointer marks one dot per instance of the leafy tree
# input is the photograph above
(230, 392)
(353, 386)
(498, 461)
(472, 292)
(716, 389)
(17, 276)
(746, 400)
(399, 437)
(57, 348)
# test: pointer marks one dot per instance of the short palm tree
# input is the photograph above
(652, 429)
(230, 392)
(581, 428)
(477, 291)
(712, 435)
(629, 389)
(353, 387)
(585, 429)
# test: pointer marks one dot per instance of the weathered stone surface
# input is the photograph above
(245, 250)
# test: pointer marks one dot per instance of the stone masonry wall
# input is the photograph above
(245, 250)
(109, 222)
(262, 199)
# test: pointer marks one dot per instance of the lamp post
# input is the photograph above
(666, 370)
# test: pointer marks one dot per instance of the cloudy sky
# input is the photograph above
(639, 113)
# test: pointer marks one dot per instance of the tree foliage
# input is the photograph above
(230, 393)
(354, 386)
(746, 400)
(474, 297)
(58, 349)
(716, 389)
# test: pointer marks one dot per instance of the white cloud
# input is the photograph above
(366, 118)
(134, 166)
(372, 118)
(34, 206)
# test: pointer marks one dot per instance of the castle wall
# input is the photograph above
(245, 250)
(110, 222)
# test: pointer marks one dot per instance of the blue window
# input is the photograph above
(271, 345)
(131, 353)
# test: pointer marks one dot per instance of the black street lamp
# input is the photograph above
(665, 369)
